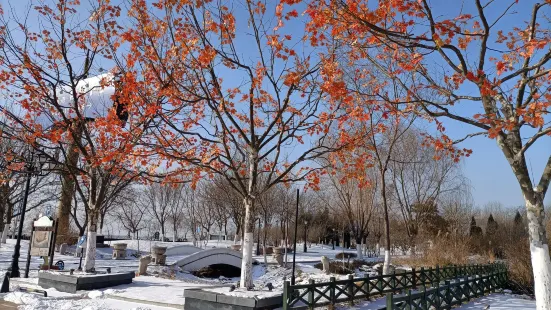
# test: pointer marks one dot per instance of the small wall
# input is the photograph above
(197, 299)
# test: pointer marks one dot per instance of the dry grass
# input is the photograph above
(447, 250)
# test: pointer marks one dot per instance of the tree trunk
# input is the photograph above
(359, 248)
(67, 192)
(236, 238)
(7, 224)
(386, 266)
(102, 218)
(539, 250)
(90, 259)
(5, 232)
(175, 234)
(247, 262)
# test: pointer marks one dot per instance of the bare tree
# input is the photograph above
(131, 215)
(159, 200)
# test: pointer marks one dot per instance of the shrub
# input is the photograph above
(348, 268)
(345, 255)
(444, 250)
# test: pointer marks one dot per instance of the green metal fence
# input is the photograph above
(311, 295)
(447, 295)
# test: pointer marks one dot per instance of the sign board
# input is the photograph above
(40, 245)
(82, 242)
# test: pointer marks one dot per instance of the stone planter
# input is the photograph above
(198, 299)
(236, 247)
(158, 256)
(119, 251)
(65, 282)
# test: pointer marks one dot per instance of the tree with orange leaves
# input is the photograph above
(474, 64)
(60, 109)
(242, 96)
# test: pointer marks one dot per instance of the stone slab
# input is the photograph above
(198, 299)
(71, 284)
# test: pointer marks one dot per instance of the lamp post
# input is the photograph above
(333, 239)
(30, 169)
(258, 243)
(305, 235)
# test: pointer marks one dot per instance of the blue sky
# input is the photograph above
(489, 173)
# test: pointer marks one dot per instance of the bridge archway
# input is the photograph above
(209, 257)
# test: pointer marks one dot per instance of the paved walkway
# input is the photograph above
(7, 305)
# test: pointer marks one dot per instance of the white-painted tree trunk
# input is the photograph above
(539, 251)
(248, 241)
(359, 251)
(5, 232)
(90, 259)
(386, 266)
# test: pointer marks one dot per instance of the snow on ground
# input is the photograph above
(35, 302)
(501, 301)
(162, 285)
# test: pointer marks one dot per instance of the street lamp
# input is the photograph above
(305, 235)
(30, 169)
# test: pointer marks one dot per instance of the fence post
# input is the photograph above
(413, 278)
(424, 300)
(466, 288)
(422, 275)
(389, 301)
(393, 281)
(286, 295)
(332, 286)
(351, 288)
(448, 295)
(366, 287)
(409, 300)
(437, 277)
(476, 285)
(311, 294)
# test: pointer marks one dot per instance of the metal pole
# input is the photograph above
(305, 236)
(258, 244)
(52, 246)
(28, 264)
(14, 269)
(295, 242)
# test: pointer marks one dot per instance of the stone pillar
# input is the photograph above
(158, 256)
(63, 248)
(278, 256)
(119, 251)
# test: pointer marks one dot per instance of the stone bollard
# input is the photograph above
(325, 263)
(63, 248)
(119, 251)
(158, 256)
(142, 267)
(278, 256)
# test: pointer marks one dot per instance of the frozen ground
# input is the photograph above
(501, 302)
(163, 288)
(163, 285)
